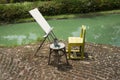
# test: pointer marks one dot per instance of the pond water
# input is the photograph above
(104, 29)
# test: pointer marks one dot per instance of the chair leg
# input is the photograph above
(80, 49)
(82, 53)
(69, 51)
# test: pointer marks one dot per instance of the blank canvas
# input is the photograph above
(40, 20)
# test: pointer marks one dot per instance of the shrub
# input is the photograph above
(3, 1)
(13, 11)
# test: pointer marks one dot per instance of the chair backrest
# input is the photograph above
(83, 32)
(40, 20)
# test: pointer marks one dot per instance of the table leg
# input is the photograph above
(57, 57)
(65, 55)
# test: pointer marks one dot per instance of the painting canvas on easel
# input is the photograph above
(40, 20)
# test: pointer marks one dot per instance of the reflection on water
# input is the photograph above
(18, 38)
(21, 39)
(77, 32)
(102, 34)
(99, 29)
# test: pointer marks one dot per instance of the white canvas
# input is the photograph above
(40, 20)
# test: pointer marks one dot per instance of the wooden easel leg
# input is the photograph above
(40, 46)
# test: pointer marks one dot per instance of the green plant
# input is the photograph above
(13, 11)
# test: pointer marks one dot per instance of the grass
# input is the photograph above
(69, 16)
(64, 16)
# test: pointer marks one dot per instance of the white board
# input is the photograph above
(40, 20)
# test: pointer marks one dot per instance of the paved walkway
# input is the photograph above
(18, 64)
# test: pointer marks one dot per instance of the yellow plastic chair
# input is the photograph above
(77, 42)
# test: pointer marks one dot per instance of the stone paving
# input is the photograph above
(18, 63)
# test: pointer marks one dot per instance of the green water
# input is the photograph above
(103, 29)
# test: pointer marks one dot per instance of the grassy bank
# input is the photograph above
(13, 12)
(69, 16)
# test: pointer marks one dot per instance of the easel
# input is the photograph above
(45, 26)
(54, 38)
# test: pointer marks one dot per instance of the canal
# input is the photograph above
(104, 29)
